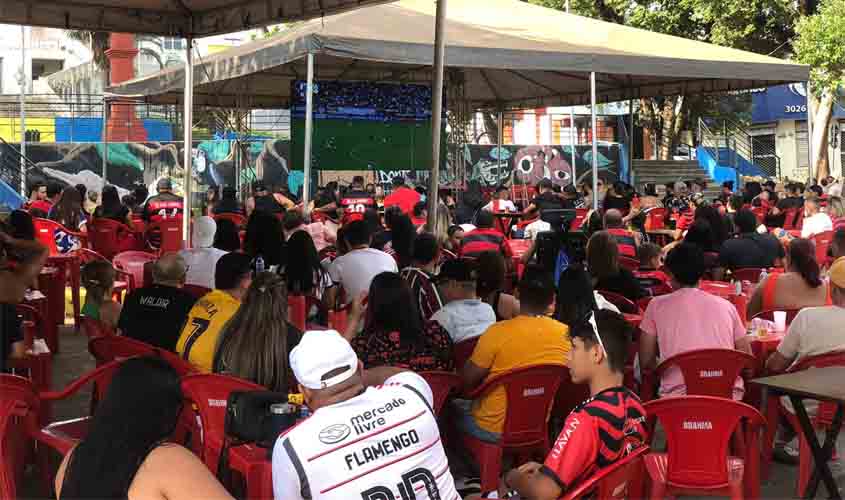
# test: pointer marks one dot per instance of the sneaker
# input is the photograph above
(785, 453)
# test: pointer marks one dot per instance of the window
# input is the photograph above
(173, 44)
(763, 149)
(46, 67)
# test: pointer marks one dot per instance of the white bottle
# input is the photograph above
(763, 275)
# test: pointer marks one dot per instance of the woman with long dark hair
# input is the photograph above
(125, 453)
(264, 238)
(68, 209)
(112, 208)
(228, 203)
(491, 283)
(403, 233)
(306, 276)
(227, 237)
(606, 272)
(394, 334)
(719, 227)
(254, 345)
(800, 286)
(212, 198)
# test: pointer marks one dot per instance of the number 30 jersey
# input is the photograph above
(381, 445)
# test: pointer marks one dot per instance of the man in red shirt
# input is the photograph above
(356, 201)
(600, 431)
(485, 238)
(43, 199)
(402, 196)
(628, 241)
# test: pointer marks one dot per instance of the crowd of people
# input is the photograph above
(411, 293)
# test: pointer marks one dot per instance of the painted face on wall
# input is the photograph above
(489, 172)
(534, 163)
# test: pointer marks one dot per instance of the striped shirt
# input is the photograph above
(596, 434)
(425, 291)
(626, 242)
(481, 240)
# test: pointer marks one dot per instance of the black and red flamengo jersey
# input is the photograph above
(479, 241)
(163, 206)
(625, 241)
(354, 204)
(596, 434)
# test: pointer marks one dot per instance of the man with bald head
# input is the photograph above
(155, 313)
(628, 241)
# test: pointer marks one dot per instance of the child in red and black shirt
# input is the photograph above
(600, 431)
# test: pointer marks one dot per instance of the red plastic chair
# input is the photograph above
(443, 385)
(706, 372)
(205, 397)
(621, 480)
(300, 305)
(93, 328)
(37, 367)
(770, 315)
(238, 219)
(165, 236)
(110, 237)
(629, 263)
(822, 420)
(462, 351)
(760, 213)
(624, 304)
(114, 348)
(794, 218)
(698, 435)
(751, 274)
(196, 290)
(45, 229)
(655, 219)
(18, 417)
(569, 395)
(822, 241)
(132, 262)
(580, 215)
(530, 393)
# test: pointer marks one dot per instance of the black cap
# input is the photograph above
(457, 270)
(545, 184)
(164, 183)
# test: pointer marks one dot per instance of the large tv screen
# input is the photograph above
(383, 102)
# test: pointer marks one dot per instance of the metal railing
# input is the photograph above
(730, 142)
(10, 165)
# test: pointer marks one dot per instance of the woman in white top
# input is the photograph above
(125, 454)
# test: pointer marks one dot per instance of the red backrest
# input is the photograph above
(105, 235)
(208, 393)
(18, 410)
(615, 481)
(132, 262)
(655, 219)
(169, 234)
(822, 241)
(624, 304)
(760, 213)
(826, 410)
(751, 274)
(709, 372)
(462, 351)
(297, 311)
(698, 434)
(100, 377)
(629, 263)
(196, 290)
(580, 215)
(794, 218)
(770, 315)
(114, 348)
(442, 384)
(530, 393)
(569, 395)
(94, 328)
(44, 233)
(238, 219)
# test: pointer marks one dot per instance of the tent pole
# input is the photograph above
(500, 119)
(631, 140)
(188, 122)
(593, 139)
(572, 141)
(436, 113)
(105, 141)
(810, 166)
(309, 127)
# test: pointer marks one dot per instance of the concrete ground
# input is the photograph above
(74, 360)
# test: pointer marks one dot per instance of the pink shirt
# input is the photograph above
(690, 319)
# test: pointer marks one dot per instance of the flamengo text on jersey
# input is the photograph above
(382, 449)
(361, 422)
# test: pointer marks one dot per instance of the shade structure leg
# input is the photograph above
(810, 167)
(188, 123)
(572, 141)
(593, 140)
(309, 127)
(436, 112)
(631, 139)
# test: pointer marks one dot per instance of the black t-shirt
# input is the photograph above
(267, 203)
(750, 250)
(120, 214)
(550, 201)
(155, 314)
(624, 284)
(790, 202)
(226, 206)
(10, 332)
(616, 202)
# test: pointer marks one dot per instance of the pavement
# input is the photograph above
(74, 360)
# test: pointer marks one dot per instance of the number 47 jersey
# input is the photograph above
(381, 445)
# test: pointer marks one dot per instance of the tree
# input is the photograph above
(98, 43)
(821, 45)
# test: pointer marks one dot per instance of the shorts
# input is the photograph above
(466, 422)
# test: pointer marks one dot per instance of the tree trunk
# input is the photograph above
(822, 111)
(491, 127)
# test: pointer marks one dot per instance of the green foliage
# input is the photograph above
(821, 44)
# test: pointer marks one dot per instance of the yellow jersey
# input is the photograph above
(206, 320)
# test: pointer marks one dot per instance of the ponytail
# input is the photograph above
(803, 260)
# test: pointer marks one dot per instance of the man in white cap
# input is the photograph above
(202, 257)
(372, 435)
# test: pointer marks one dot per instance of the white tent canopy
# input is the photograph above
(179, 18)
(507, 53)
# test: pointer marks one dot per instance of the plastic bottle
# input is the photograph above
(259, 265)
(763, 275)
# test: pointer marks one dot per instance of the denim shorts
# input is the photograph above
(466, 422)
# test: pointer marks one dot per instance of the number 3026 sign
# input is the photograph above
(795, 108)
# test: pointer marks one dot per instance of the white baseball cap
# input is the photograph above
(318, 353)
(203, 232)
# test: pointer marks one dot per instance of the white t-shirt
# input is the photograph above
(535, 228)
(356, 270)
(814, 331)
(382, 444)
(465, 319)
(816, 224)
(201, 265)
(501, 206)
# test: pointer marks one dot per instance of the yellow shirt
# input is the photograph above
(515, 343)
(202, 329)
